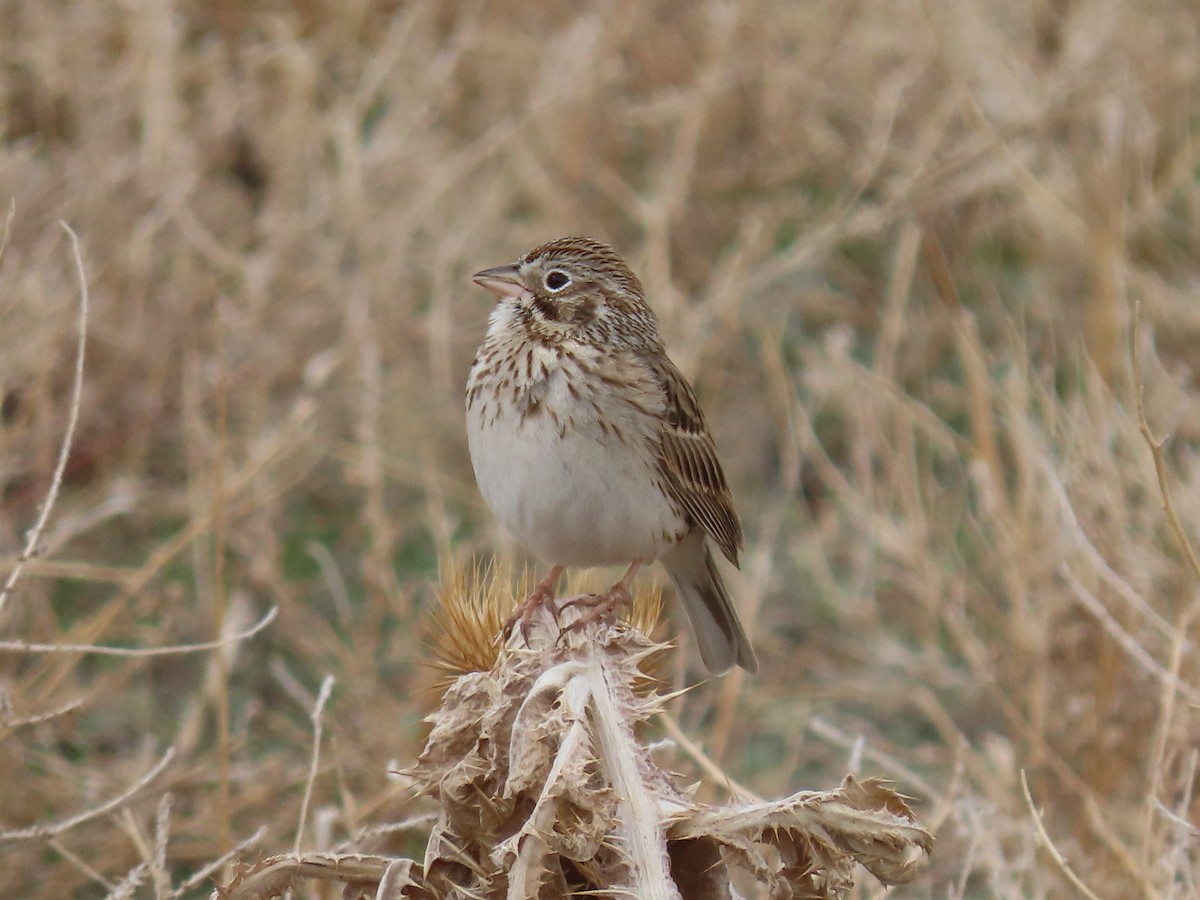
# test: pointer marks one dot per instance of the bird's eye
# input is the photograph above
(556, 280)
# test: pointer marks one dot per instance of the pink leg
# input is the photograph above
(620, 593)
(605, 605)
(542, 593)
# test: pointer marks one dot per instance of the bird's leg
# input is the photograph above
(620, 594)
(542, 594)
(604, 606)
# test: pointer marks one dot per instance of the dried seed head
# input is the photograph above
(475, 599)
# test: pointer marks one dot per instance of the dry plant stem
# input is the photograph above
(899, 291)
(7, 720)
(64, 453)
(162, 829)
(728, 707)
(1178, 816)
(318, 709)
(420, 822)
(220, 600)
(1176, 819)
(1049, 844)
(98, 650)
(129, 884)
(829, 732)
(1134, 650)
(275, 875)
(80, 863)
(1187, 617)
(72, 569)
(1122, 587)
(128, 823)
(335, 582)
(8, 220)
(703, 760)
(1155, 445)
(56, 828)
(1166, 716)
(623, 768)
(207, 872)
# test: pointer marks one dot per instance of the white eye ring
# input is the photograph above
(556, 280)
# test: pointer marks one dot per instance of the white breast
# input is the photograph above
(575, 490)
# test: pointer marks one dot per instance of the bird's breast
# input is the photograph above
(563, 448)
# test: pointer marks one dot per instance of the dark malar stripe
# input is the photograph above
(546, 308)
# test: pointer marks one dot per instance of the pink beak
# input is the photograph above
(503, 280)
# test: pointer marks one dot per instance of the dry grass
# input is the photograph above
(896, 244)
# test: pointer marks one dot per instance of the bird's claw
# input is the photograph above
(600, 608)
(525, 610)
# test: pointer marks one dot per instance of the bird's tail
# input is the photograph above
(719, 634)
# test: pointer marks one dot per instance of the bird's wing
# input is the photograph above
(687, 457)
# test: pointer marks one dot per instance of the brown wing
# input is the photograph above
(688, 459)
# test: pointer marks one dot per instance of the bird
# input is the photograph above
(590, 446)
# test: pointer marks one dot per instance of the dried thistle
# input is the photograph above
(546, 790)
(475, 600)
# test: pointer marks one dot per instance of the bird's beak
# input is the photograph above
(503, 280)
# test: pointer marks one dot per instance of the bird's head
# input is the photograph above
(567, 285)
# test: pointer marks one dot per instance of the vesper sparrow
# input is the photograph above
(589, 445)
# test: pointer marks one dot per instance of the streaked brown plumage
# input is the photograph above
(588, 443)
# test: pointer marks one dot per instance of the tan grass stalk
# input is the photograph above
(101, 650)
(35, 533)
(315, 717)
(50, 829)
(1058, 858)
(1172, 685)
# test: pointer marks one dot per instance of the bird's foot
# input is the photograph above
(603, 607)
(599, 607)
(541, 595)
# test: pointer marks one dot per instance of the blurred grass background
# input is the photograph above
(895, 245)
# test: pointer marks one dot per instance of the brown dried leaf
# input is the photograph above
(275, 875)
(864, 822)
